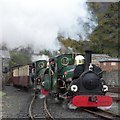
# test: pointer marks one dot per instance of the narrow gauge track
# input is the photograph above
(103, 113)
(47, 114)
(59, 110)
(30, 109)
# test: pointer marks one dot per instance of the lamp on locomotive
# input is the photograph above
(79, 59)
(48, 65)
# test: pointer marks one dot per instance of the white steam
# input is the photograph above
(38, 22)
(39, 57)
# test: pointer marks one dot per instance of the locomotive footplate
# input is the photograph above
(92, 101)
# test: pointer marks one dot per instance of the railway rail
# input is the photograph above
(30, 109)
(103, 113)
(47, 113)
(97, 112)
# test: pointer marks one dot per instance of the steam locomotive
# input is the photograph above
(76, 80)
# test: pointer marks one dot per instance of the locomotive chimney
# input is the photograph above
(88, 54)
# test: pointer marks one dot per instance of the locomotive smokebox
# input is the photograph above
(88, 55)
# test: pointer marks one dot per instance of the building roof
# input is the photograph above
(111, 60)
(104, 58)
(4, 54)
(100, 57)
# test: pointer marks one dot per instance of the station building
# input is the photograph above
(110, 64)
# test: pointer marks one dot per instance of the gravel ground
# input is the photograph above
(0, 104)
(59, 112)
(15, 103)
(38, 108)
(115, 107)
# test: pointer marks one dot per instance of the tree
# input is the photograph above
(20, 57)
(105, 37)
(74, 44)
(3, 46)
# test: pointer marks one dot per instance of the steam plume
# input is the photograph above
(38, 22)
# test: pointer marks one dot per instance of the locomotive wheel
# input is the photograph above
(68, 105)
(71, 106)
(65, 104)
(94, 108)
(42, 96)
(57, 99)
(36, 96)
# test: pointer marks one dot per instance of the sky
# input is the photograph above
(38, 22)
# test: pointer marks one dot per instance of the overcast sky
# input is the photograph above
(38, 22)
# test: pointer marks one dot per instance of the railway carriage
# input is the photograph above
(21, 76)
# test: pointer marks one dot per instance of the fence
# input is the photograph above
(112, 78)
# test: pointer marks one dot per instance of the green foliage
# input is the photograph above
(105, 37)
(20, 57)
(75, 45)
(3, 46)
(45, 52)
